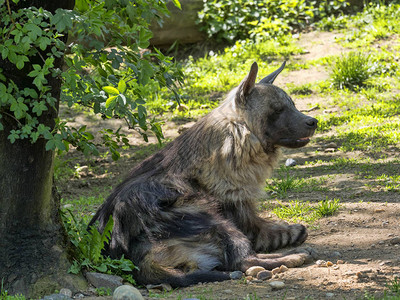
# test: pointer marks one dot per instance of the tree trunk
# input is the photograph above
(33, 255)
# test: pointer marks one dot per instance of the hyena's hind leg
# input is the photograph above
(291, 259)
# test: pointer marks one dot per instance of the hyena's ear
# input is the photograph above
(271, 77)
(246, 85)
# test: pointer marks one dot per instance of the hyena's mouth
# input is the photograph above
(294, 143)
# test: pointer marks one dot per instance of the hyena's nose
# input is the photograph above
(312, 123)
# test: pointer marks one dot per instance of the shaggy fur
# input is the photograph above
(187, 214)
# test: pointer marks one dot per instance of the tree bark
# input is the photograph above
(33, 245)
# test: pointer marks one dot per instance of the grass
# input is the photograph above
(298, 211)
(351, 70)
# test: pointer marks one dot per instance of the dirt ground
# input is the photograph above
(362, 236)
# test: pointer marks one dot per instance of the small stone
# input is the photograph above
(340, 262)
(104, 280)
(379, 210)
(331, 145)
(264, 275)
(329, 264)
(395, 240)
(283, 268)
(66, 292)
(127, 292)
(276, 271)
(253, 271)
(227, 291)
(381, 242)
(236, 275)
(277, 285)
(329, 295)
(290, 162)
(320, 263)
(330, 150)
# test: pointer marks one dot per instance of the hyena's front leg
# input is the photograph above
(265, 235)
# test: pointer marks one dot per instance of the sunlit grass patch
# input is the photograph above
(327, 207)
(351, 70)
(298, 211)
(284, 182)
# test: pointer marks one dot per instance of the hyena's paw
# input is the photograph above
(298, 234)
(277, 235)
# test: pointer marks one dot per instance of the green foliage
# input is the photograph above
(284, 182)
(352, 70)
(230, 20)
(89, 246)
(296, 210)
(4, 293)
(394, 285)
(105, 69)
(327, 207)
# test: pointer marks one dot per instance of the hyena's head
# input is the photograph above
(271, 114)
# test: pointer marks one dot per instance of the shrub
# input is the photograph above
(231, 20)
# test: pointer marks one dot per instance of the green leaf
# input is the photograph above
(177, 3)
(110, 101)
(111, 90)
(62, 19)
(121, 86)
(141, 111)
(146, 72)
(144, 36)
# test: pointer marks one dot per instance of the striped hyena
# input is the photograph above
(188, 214)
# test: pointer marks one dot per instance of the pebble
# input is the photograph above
(253, 271)
(290, 162)
(395, 240)
(320, 263)
(329, 295)
(127, 292)
(329, 264)
(277, 285)
(264, 275)
(227, 291)
(276, 271)
(340, 262)
(330, 150)
(236, 275)
(66, 292)
(331, 145)
(379, 210)
(283, 268)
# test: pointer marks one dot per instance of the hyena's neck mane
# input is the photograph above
(223, 156)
